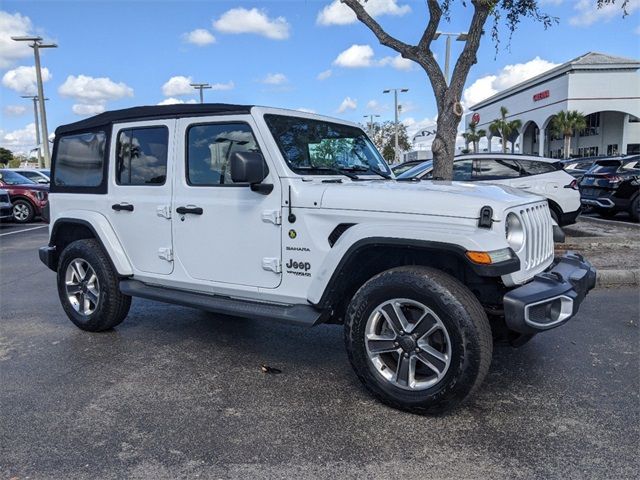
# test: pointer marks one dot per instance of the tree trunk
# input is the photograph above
(567, 146)
(503, 141)
(476, 146)
(444, 145)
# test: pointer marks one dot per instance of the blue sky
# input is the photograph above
(115, 54)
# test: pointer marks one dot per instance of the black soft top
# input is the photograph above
(154, 111)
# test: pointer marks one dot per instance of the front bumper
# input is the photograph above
(606, 200)
(48, 257)
(552, 297)
(569, 218)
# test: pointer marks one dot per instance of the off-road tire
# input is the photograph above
(23, 205)
(461, 313)
(112, 306)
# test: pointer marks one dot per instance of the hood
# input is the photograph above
(451, 199)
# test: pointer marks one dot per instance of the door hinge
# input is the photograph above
(272, 216)
(272, 264)
(166, 254)
(163, 211)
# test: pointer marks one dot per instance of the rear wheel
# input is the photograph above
(418, 339)
(88, 287)
(23, 211)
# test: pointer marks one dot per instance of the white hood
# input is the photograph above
(452, 199)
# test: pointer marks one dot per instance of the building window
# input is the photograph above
(633, 149)
(590, 151)
(593, 125)
(612, 149)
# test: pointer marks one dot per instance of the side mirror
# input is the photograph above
(250, 167)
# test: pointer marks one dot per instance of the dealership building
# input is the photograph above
(604, 88)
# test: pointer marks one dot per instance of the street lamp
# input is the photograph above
(200, 87)
(395, 99)
(35, 114)
(460, 37)
(37, 45)
(371, 116)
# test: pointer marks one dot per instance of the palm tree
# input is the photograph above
(565, 125)
(473, 136)
(505, 129)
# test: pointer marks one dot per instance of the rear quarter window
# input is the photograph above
(79, 160)
(531, 167)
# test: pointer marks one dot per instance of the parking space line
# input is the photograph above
(23, 230)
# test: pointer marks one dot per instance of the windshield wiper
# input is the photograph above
(370, 169)
(337, 170)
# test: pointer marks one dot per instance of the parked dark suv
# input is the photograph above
(613, 185)
(28, 198)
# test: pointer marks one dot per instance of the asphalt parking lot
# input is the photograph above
(178, 393)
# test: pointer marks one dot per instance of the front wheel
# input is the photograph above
(418, 339)
(23, 211)
(88, 287)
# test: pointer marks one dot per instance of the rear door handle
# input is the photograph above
(122, 206)
(192, 210)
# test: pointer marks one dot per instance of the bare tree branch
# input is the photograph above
(382, 36)
(468, 58)
(435, 13)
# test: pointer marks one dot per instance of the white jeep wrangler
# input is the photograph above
(282, 215)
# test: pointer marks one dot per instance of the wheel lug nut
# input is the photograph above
(406, 355)
(396, 344)
(417, 350)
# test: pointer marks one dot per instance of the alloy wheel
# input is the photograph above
(21, 212)
(408, 344)
(82, 287)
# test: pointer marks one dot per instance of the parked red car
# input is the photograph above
(29, 198)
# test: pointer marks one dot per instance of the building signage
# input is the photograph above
(541, 95)
(475, 118)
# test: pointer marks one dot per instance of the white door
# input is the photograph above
(139, 198)
(228, 233)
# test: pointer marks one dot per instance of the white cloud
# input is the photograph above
(305, 110)
(199, 37)
(347, 104)
(325, 74)
(415, 126)
(588, 12)
(361, 56)
(85, 109)
(10, 50)
(242, 20)
(23, 79)
(90, 90)
(336, 13)
(14, 110)
(397, 62)
(355, 56)
(275, 79)
(179, 85)
(510, 75)
(21, 140)
(175, 101)
(223, 86)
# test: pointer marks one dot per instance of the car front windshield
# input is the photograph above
(12, 178)
(325, 148)
(416, 171)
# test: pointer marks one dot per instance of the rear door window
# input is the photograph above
(497, 169)
(463, 170)
(141, 156)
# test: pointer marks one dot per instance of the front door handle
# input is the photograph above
(122, 206)
(192, 210)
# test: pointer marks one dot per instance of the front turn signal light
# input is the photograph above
(488, 258)
(483, 258)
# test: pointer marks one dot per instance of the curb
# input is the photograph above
(608, 278)
(610, 222)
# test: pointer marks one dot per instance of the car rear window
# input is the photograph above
(79, 160)
(605, 166)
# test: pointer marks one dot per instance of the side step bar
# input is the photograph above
(302, 315)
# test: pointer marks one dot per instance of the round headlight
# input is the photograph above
(514, 232)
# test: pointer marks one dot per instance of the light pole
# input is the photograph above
(460, 37)
(35, 114)
(396, 155)
(200, 87)
(371, 116)
(37, 45)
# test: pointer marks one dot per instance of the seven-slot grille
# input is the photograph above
(4, 198)
(538, 244)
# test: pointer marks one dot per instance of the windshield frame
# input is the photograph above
(334, 168)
